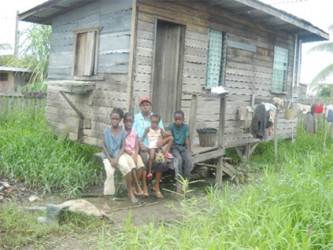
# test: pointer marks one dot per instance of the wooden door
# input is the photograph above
(167, 69)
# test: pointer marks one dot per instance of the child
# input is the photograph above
(131, 149)
(113, 138)
(157, 137)
(181, 148)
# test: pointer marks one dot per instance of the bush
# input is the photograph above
(30, 153)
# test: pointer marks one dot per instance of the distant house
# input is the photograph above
(11, 78)
(110, 53)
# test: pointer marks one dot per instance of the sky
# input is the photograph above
(318, 12)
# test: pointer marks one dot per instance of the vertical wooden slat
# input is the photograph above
(193, 115)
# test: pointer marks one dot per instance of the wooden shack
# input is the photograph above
(110, 53)
(11, 78)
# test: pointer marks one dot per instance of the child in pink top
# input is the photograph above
(157, 137)
(130, 152)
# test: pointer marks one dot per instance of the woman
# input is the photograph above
(142, 120)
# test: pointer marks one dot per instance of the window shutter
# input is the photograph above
(89, 60)
(85, 53)
(214, 59)
(280, 69)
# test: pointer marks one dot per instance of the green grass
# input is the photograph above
(288, 207)
(20, 228)
(29, 152)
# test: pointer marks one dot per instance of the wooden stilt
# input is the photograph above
(193, 115)
(219, 172)
(276, 136)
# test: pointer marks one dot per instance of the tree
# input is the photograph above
(5, 46)
(328, 70)
(35, 51)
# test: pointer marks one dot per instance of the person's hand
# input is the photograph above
(135, 158)
(129, 152)
(150, 176)
(142, 146)
(114, 162)
(168, 133)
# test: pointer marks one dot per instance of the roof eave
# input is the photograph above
(28, 15)
(289, 18)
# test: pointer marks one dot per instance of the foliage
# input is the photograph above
(328, 70)
(19, 229)
(289, 207)
(324, 92)
(5, 46)
(30, 153)
(35, 51)
(33, 87)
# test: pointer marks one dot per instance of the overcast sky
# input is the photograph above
(318, 12)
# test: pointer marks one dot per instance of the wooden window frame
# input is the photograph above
(285, 82)
(4, 77)
(97, 37)
(222, 74)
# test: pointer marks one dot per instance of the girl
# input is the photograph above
(157, 137)
(113, 138)
(130, 150)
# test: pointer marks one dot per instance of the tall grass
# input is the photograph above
(29, 152)
(287, 207)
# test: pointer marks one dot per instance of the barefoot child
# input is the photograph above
(181, 148)
(157, 137)
(130, 149)
(112, 143)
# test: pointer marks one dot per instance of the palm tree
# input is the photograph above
(35, 51)
(328, 70)
(5, 46)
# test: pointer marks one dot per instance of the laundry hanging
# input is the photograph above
(245, 117)
(259, 121)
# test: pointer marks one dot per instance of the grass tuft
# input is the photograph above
(29, 152)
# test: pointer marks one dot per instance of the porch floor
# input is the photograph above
(201, 154)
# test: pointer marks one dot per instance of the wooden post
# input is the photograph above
(276, 135)
(221, 122)
(193, 116)
(219, 172)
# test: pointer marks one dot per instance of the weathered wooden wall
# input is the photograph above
(247, 73)
(111, 84)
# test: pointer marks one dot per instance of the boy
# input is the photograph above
(181, 148)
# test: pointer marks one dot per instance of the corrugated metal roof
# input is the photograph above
(14, 69)
(257, 12)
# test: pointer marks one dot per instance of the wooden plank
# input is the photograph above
(207, 156)
(192, 116)
(219, 172)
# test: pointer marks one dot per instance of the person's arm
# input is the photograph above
(164, 134)
(188, 144)
(135, 156)
(121, 151)
(144, 134)
(106, 152)
(187, 140)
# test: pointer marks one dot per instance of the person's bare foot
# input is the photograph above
(133, 199)
(139, 191)
(145, 190)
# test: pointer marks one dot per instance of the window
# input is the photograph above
(280, 69)
(85, 53)
(215, 58)
(4, 77)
